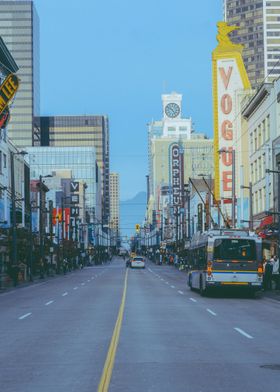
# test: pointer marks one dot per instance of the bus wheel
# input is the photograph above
(202, 291)
(190, 283)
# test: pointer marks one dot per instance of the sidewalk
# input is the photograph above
(273, 294)
(9, 286)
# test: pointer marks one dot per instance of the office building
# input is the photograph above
(82, 163)
(87, 131)
(114, 202)
(197, 160)
(19, 28)
(172, 127)
(259, 32)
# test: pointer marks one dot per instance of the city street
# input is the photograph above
(55, 335)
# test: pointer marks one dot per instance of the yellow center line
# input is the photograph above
(110, 359)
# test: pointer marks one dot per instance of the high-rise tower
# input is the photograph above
(114, 202)
(19, 28)
(259, 32)
(87, 131)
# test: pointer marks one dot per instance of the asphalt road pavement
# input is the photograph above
(55, 335)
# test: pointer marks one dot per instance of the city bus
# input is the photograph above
(225, 258)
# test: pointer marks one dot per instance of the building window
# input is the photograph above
(5, 161)
(259, 136)
(263, 166)
(251, 143)
(267, 127)
(260, 201)
(255, 140)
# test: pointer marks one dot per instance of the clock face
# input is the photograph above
(172, 110)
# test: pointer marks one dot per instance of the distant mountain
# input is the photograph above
(132, 211)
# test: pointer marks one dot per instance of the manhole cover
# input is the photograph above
(274, 366)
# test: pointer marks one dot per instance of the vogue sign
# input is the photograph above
(177, 168)
(229, 80)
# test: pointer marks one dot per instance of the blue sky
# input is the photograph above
(117, 58)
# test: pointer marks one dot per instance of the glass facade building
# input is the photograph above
(68, 131)
(19, 28)
(259, 22)
(80, 160)
(114, 202)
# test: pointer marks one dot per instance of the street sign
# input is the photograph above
(8, 90)
(74, 186)
(137, 228)
(74, 199)
(74, 211)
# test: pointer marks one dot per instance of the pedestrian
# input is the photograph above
(275, 272)
(267, 278)
(15, 272)
(42, 269)
(64, 266)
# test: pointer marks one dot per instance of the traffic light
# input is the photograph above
(137, 228)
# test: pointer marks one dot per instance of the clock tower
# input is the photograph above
(172, 106)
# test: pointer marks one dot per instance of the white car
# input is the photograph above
(137, 262)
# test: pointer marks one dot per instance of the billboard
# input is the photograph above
(229, 76)
(177, 178)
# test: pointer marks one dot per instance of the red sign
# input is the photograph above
(57, 217)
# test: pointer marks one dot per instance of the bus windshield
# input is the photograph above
(234, 249)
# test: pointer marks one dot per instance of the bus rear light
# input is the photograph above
(209, 268)
(260, 269)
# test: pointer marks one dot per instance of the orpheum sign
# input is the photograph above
(177, 168)
(229, 76)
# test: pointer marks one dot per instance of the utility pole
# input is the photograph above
(30, 245)
(278, 203)
(14, 221)
(41, 218)
(233, 189)
(51, 230)
(13, 196)
(278, 211)
(251, 222)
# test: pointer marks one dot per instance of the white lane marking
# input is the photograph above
(64, 294)
(75, 288)
(211, 312)
(173, 287)
(166, 283)
(88, 280)
(24, 316)
(162, 279)
(150, 269)
(48, 303)
(82, 284)
(193, 300)
(180, 292)
(243, 333)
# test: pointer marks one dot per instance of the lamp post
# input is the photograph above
(251, 222)
(13, 196)
(41, 210)
(278, 204)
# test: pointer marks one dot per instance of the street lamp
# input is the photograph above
(13, 196)
(278, 207)
(251, 221)
(41, 208)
